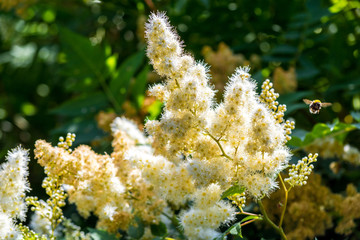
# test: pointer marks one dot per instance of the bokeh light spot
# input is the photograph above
(43, 90)
(28, 109)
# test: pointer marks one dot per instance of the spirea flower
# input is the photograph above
(241, 139)
(244, 136)
(14, 185)
(13, 178)
(105, 185)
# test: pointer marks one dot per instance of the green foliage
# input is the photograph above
(61, 62)
(158, 229)
(137, 229)
(233, 190)
(97, 234)
(338, 129)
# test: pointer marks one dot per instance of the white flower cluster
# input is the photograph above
(201, 147)
(125, 125)
(298, 174)
(13, 185)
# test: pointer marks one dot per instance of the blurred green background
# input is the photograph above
(62, 62)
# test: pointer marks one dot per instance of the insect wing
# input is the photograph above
(307, 101)
(326, 104)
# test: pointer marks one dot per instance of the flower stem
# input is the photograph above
(247, 213)
(286, 200)
(271, 223)
(221, 148)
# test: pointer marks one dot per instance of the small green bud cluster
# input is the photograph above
(289, 125)
(51, 209)
(269, 96)
(70, 138)
(27, 233)
(238, 199)
(298, 174)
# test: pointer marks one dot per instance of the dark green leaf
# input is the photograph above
(293, 107)
(158, 229)
(82, 58)
(236, 230)
(139, 86)
(137, 229)
(97, 234)
(235, 189)
(120, 83)
(88, 104)
(294, 97)
(85, 129)
(284, 49)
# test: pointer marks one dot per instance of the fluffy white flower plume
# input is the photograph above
(129, 127)
(13, 179)
(240, 140)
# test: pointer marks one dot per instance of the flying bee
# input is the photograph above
(315, 106)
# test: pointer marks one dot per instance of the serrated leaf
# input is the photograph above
(235, 189)
(158, 229)
(97, 234)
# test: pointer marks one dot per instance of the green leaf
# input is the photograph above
(320, 130)
(158, 229)
(284, 49)
(85, 128)
(82, 58)
(120, 83)
(155, 110)
(86, 104)
(293, 107)
(137, 229)
(233, 230)
(235, 189)
(295, 141)
(236, 230)
(97, 234)
(248, 218)
(291, 98)
(307, 69)
(138, 89)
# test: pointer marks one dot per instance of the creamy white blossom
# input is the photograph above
(240, 140)
(14, 185)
